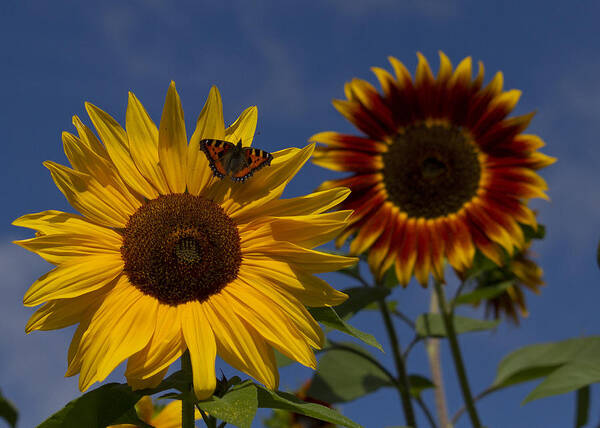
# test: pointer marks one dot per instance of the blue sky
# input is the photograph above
(291, 60)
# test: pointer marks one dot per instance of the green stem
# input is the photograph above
(448, 319)
(187, 403)
(404, 386)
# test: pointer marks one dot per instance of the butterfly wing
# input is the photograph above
(215, 151)
(255, 159)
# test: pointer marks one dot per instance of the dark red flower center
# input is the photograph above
(179, 248)
(431, 171)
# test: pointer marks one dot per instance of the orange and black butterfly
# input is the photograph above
(238, 162)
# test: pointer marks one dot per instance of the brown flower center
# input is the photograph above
(178, 248)
(431, 171)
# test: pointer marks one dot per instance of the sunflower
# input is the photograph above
(165, 257)
(440, 171)
(167, 417)
(522, 273)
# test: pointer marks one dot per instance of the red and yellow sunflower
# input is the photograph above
(440, 172)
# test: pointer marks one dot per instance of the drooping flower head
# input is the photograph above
(440, 170)
(520, 273)
(165, 257)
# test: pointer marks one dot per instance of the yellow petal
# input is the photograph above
(210, 125)
(462, 73)
(95, 201)
(172, 142)
(170, 416)
(309, 289)
(89, 139)
(423, 76)
(201, 343)
(143, 144)
(239, 345)
(402, 74)
(84, 159)
(243, 128)
(122, 326)
(58, 249)
(308, 260)
(74, 279)
(267, 184)
(73, 356)
(307, 231)
(386, 80)
(268, 320)
(62, 313)
(117, 146)
(445, 70)
(293, 309)
(164, 348)
(57, 222)
(507, 100)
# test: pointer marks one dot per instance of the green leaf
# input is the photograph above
(419, 383)
(531, 233)
(569, 377)
(487, 292)
(346, 374)
(567, 366)
(328, 317)
(8, 412)
(359, 298)
(432, 325)
(106, 405)
(237, 407)
(284, 401)
(582, 406)
(352, 271)
(390, 280)
(282, 360)
(535, 361)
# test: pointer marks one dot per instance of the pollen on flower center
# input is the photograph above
(431, 171)
(178, 248)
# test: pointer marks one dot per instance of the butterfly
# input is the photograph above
(238, 162)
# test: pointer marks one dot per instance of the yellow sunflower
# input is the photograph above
(439, 172)
(165, 257)
(167, 417)
(523, 273)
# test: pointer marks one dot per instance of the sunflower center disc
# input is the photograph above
(431, 171)
(179, 248)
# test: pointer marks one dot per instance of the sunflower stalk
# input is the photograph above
(187, 405)
(404, 385)
(448, 319)
(432, 347)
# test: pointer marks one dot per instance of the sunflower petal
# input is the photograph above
(243, 128)
(269, 321)
(163, 349)
(172, 142)
(90, 197)
(117, 146)
(309, 289)
(122, 326)
(239, 345)
(73, 279)
(143, 143)
(210, 125)
(62, 313)
(200, 340)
